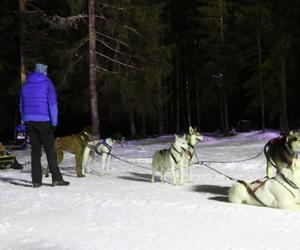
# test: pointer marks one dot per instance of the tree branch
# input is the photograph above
(116, 61)
(99, 68)
(114, 39)
(113, 49)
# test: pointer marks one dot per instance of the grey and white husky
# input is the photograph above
(170, 159)
(101, 147)
(192, 138)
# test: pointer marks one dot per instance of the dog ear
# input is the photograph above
(176, 137)
(287, 139)
(191, 130)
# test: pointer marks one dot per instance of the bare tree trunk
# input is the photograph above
(143, 124)
(22, 6)
(188, 103)
(197, 90)
(161, 117)
(225, 126)
(283, 109)
(221, 105)
(93, 68)
(226, 120)
(132, 127)
(166, 118)
(283, 113)
(177, 95)
(262, 102)
(171, 101)
(198, 106)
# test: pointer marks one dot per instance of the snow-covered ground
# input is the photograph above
(125, 211)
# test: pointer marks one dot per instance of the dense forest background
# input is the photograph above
(159, 66)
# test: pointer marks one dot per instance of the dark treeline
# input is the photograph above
(161, 65)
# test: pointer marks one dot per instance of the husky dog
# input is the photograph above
(170, 159)
(278, 192)
(74, 144)
(192, 138)
(280, 152)
(103, 148)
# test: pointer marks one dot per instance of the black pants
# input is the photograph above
(41, 134)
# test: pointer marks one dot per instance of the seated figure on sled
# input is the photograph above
(8, 160)
(21, 136)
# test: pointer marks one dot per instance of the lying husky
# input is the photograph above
(170, 159)
(278, 192)
(103, 148)
(74, 144)
(280, 152)
(192, 138)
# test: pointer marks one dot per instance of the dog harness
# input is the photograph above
(260, 182)
(190, 152)
(173, 156)
(289, 182)
(96, 146)
(252, 192)
(109, 147)
(84, 139)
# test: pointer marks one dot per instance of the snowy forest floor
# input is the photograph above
(125, 211)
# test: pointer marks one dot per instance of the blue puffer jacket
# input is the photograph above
(38, 99)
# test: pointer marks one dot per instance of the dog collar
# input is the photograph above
(173, 156)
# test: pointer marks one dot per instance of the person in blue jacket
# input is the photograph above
(38, 108)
